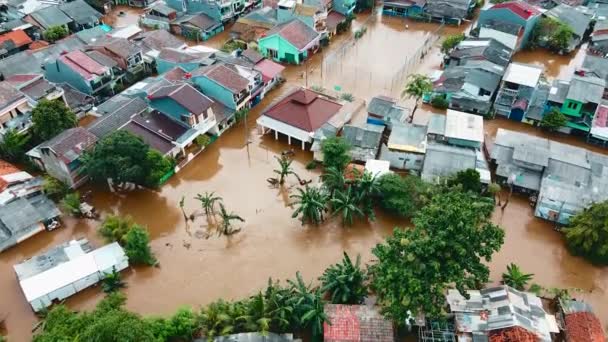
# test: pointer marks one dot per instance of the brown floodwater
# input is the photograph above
(196, 268)
(556, 66)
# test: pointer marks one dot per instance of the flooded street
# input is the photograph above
(195, 270)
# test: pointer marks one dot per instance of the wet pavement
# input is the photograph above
(195, 270)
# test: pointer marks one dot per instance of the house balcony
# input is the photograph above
(101, 83)
(206, 125)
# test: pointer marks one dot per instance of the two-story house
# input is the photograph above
(517, 90)
(158, 16)
(224, 84)
(81, 72)
(128, 55)
(518, 13)
(48, 17)
(197, 27)
(82, 14)
(313, 15)
(15, 109)
(61, 156)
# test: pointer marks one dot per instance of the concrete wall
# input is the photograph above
(215, 90)
(55, 167)
(58, 72)
(506, 15)
(170, 108)
(402, 160)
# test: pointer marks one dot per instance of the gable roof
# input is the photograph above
(296, 32)
(18, 38)
(158, 39)
(200, 20)
(578, 21)
(586, 89)
(119, 46)
(80, 62)
(224, 76)
(50, 16)
(186, 96)
(71, 143)
(37, 89)
(303, 109)
(522, 9)
(252, 55)
(8, 94)
(449, 8)
(81, 12)
(117, 115)
(183, 56)
(483, 48)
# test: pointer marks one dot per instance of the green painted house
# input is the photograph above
(289, 42)
(224, 85)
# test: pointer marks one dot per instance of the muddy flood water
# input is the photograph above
(195, 270)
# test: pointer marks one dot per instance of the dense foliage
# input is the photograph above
(54, 188)
(133, 237)
(451, 41)
(345, 282)
(124, 157)
(335, 153)
(51, 117)
(71, 204)
(55, 33)
(516, 278)
(14, 145)
(417, 86)
(552, 34)
(587, 233)
(310, 204)
(467, 179)
(554, 120)
(449, 245)
(402, 196)
(440, 102)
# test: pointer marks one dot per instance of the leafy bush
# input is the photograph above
(311, 165)
(137, 246)
(203, 140)
(587, 233)
(440, 102)
(451, 41)
(54, 33)
(554, 120)
(335, 153)
(345, 281)
(71, 204)
(54, 188)
(402, 196)
(347, 97)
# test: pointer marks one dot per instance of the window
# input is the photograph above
(272, 53)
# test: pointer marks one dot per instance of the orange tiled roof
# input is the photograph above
(19, 38)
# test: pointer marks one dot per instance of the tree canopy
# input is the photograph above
(451, 41)
(587, 233)
(51, 117)
(345, 282)
(54, 33)
(133, 237)
(335, 153)
(14, 145)
(402, 196)
(450, 243)
(468, 179)
(552, 34)
(417, 85)
(124, 157)
(554, 120)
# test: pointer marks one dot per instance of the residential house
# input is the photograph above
(67, 269)
(115, 113)
(333, 22)
(599, 39)
(290, 42)
(81, 71)
(486, 314)
(254, 25)
(16, 10)
(579, 322)
(479, 49)
(158, 16)
(301, 112)
(225, 84)
(403, 8)
(36, 87)
(197, 26)
(599, 126)
(517, 90)
(510, 35)
(344, 7)
(271, 74)
(450, 11)
(222, 11)
(15, 109)
(471, 87)
(578, 99)
(406, 147)
(79, 102)
(516, 18)
(595, 66)
(578, 21)
(351, 323)
(151, 44)
(364, 140)
(48, 17)
(384, 110)
(13, 42)
(128, 55)
(82, 14)
(24, 209)
(128, 32)
(61, 156)
(140, 3)
(312, 15)
(187, 59)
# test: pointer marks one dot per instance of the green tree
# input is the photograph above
(55, 33)
(227, 218)
(311, 203)
(345, 282)
(402, 196)
(335, 153)
(366, 187)
(516, 278)
(208, 200)
(115, 228)
(560, 39)
(468, 179)
(71, 204)
(54, 188)
(308, 305)
(14, 146)
(125, 158)
(587, 233)
(553, 120)
(451, 41)
(137, 246)
(440, 102)
(416, 87)
(333, 179)
(284, 169)
(51, 117)
(450, 244)
(346, 204)
(112, 282)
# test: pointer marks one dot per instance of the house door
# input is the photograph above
(290, 58)
(517, 114)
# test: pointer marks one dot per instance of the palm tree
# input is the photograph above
(308, 305)
(311, 204)
(515, 278)
(347, 204)
(208, 200)
(333, 179)
(112, 282)
(227, 219)
(416, 87)
(345, 282)
(284, 168)
(366, 187)
(216, 320)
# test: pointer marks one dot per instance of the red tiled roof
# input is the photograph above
(186, 96)
(39, 44)
(18, 37)
(83, 64)
(6, 168)
(356, 323)
(70, 144)
(304, 109)
(520, 8)
(269, 69)
(225, 76)
(513, 334)
(296, 32)
(584, 327)
(175, 74)
(19, 79)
